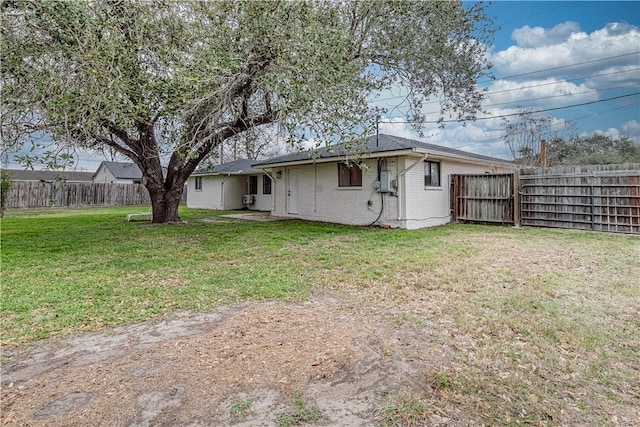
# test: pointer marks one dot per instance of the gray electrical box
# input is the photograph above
(385, 182)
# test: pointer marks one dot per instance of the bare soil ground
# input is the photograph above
(192, 369)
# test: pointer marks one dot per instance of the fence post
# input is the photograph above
(455, 202)
(593, 203)
(516, 198)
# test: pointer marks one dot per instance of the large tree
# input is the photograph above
(524, 133)
(166, 82)
(596, 149)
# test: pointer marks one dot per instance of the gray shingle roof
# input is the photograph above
(383, 143)
(69, 176)
(124, 170)
(237, 167)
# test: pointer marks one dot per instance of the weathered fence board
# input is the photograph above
(486, 198)
(594, 197)
(32, 194)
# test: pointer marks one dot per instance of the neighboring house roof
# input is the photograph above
(378, 145)
(237, 167)
(31, 175)
(123, 170)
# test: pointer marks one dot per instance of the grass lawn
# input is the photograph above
(545, 320)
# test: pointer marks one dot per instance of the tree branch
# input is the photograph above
(119, 148)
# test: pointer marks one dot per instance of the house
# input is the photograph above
(395, 182)
(118, 173)
(49, 176)
(233, 185)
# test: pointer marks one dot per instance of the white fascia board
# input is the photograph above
(465, 159)
(226, 173)
(336, 159)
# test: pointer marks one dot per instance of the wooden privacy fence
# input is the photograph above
(594, 197)
(33, 194)
(486, 198)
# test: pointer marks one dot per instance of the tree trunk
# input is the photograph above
(164, 205)
(165, 189)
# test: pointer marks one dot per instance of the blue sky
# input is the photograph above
(552, 55)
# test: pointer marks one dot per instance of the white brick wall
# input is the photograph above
(207, 198)
(221, 192)
(233, 188)
(263, 202)
(320, 198)
(278, 190)
(430, 206)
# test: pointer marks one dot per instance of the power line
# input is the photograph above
(517, 114)
(524, 87)
(398, 108)
(564, 4)
(635, 104)
(562, 67)
(562, 108)
(561, 95)
(568, 120)
(562, 81)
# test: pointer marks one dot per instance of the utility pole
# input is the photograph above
(543, 154)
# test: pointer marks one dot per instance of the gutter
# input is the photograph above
(440, 154)
(337, 158)
(394, 153)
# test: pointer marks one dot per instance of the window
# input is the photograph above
(253, 184)
(198, 183)
(349, 175)
(266, 185)
(431, 174)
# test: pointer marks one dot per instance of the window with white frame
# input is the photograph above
(253, 184)
(266, 185)
(349, 175)
(431, 174)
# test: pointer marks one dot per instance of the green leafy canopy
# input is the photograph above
(173, 80)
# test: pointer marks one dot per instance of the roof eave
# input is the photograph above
(470, 159)
(370, 155)
(226, 173)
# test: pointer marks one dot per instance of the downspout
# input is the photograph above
(401, 175)
(222, 191)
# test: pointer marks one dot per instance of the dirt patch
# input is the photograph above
(214, 220)
(258, 216)
(194, 370)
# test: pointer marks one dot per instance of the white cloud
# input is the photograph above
(396, 127)
(615, 133)
(614, 40)
(481, 137)
(538, 49)
(529, 37)
(537, 93)
(612, 133)
(631, 128)
(628, 75)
